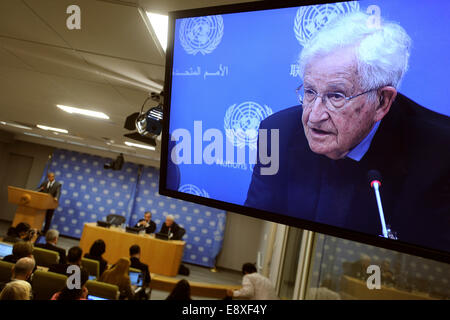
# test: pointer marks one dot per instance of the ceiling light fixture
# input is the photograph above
(85, 112)
(137, 145)
(40, 126)
(160, 25)
(15, 125)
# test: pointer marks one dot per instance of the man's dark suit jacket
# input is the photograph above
(174, 228)
(150, 229)
(411, 151)
(49, 246)
(137, 264)
(54, 190)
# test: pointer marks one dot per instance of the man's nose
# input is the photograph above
(319, 110)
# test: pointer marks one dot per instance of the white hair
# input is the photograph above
(170, 217)
(51, 235)
(16, 290)
(382, 52)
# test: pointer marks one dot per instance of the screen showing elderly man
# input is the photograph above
(352, 119)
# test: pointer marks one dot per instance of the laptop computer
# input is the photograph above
(91, 297)
(162, 236)
(103, 224)
(136, 278)
(132, 230)
(5, 249)
(40, 240)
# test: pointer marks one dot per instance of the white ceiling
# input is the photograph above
(110, 65)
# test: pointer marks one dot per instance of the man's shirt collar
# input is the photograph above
(360, 150)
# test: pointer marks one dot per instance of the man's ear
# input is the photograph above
(387, 96)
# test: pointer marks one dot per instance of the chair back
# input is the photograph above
(45, 284)
(91, 266)
(103, 290)
(44, 257)
(5, 271)
(115, 219)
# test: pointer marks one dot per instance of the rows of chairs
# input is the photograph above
(45, 283)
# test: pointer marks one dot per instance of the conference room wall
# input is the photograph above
(241, 242)
(39, 155)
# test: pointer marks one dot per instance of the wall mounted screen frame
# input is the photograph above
(166, 189)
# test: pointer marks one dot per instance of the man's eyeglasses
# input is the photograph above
(333, 100)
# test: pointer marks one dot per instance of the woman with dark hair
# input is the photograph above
(74, 294)
(96, 251)
(22, 231)
(181, 291)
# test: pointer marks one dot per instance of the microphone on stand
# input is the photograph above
(375, 183)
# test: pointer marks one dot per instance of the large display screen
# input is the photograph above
(332, 117)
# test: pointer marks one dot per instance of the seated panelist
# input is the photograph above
(171, 228)
(146, 223)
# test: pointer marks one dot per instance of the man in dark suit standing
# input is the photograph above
(51, 239)
(147, 223)
(52, 187)
(351, 120)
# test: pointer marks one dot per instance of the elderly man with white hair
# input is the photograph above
(51, 241)
(352, 119)
(171, 228)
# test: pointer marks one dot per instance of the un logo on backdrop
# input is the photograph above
(310, 19)
(193, 189)
(242, 121)
(202, 34)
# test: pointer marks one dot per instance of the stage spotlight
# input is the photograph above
(149, 123)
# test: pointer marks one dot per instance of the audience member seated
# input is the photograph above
(20, 250)
(326, 291)
(119, 275)
(73, 258)
(181, 291)
(74, 294)
(146, 223)
(171, 228)
(135, 255)
(387, 276)
(22, 270)
(357, 269)
(16, 290)
(51, 239)
(96, 251)
(254, 285)
(21, 232)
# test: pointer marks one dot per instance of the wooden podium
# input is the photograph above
(32, 206)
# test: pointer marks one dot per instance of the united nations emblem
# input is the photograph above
(193, 189)
(310, 19)
(242, 121)
(202, 34)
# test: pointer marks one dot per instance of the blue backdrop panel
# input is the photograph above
(204, 226)
(89, 193)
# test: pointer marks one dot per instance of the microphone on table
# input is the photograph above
(375, 183)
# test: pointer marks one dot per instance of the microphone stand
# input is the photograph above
(386, 230)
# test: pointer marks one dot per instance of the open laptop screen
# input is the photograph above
(5, 249)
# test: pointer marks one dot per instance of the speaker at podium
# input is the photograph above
(31, 206)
